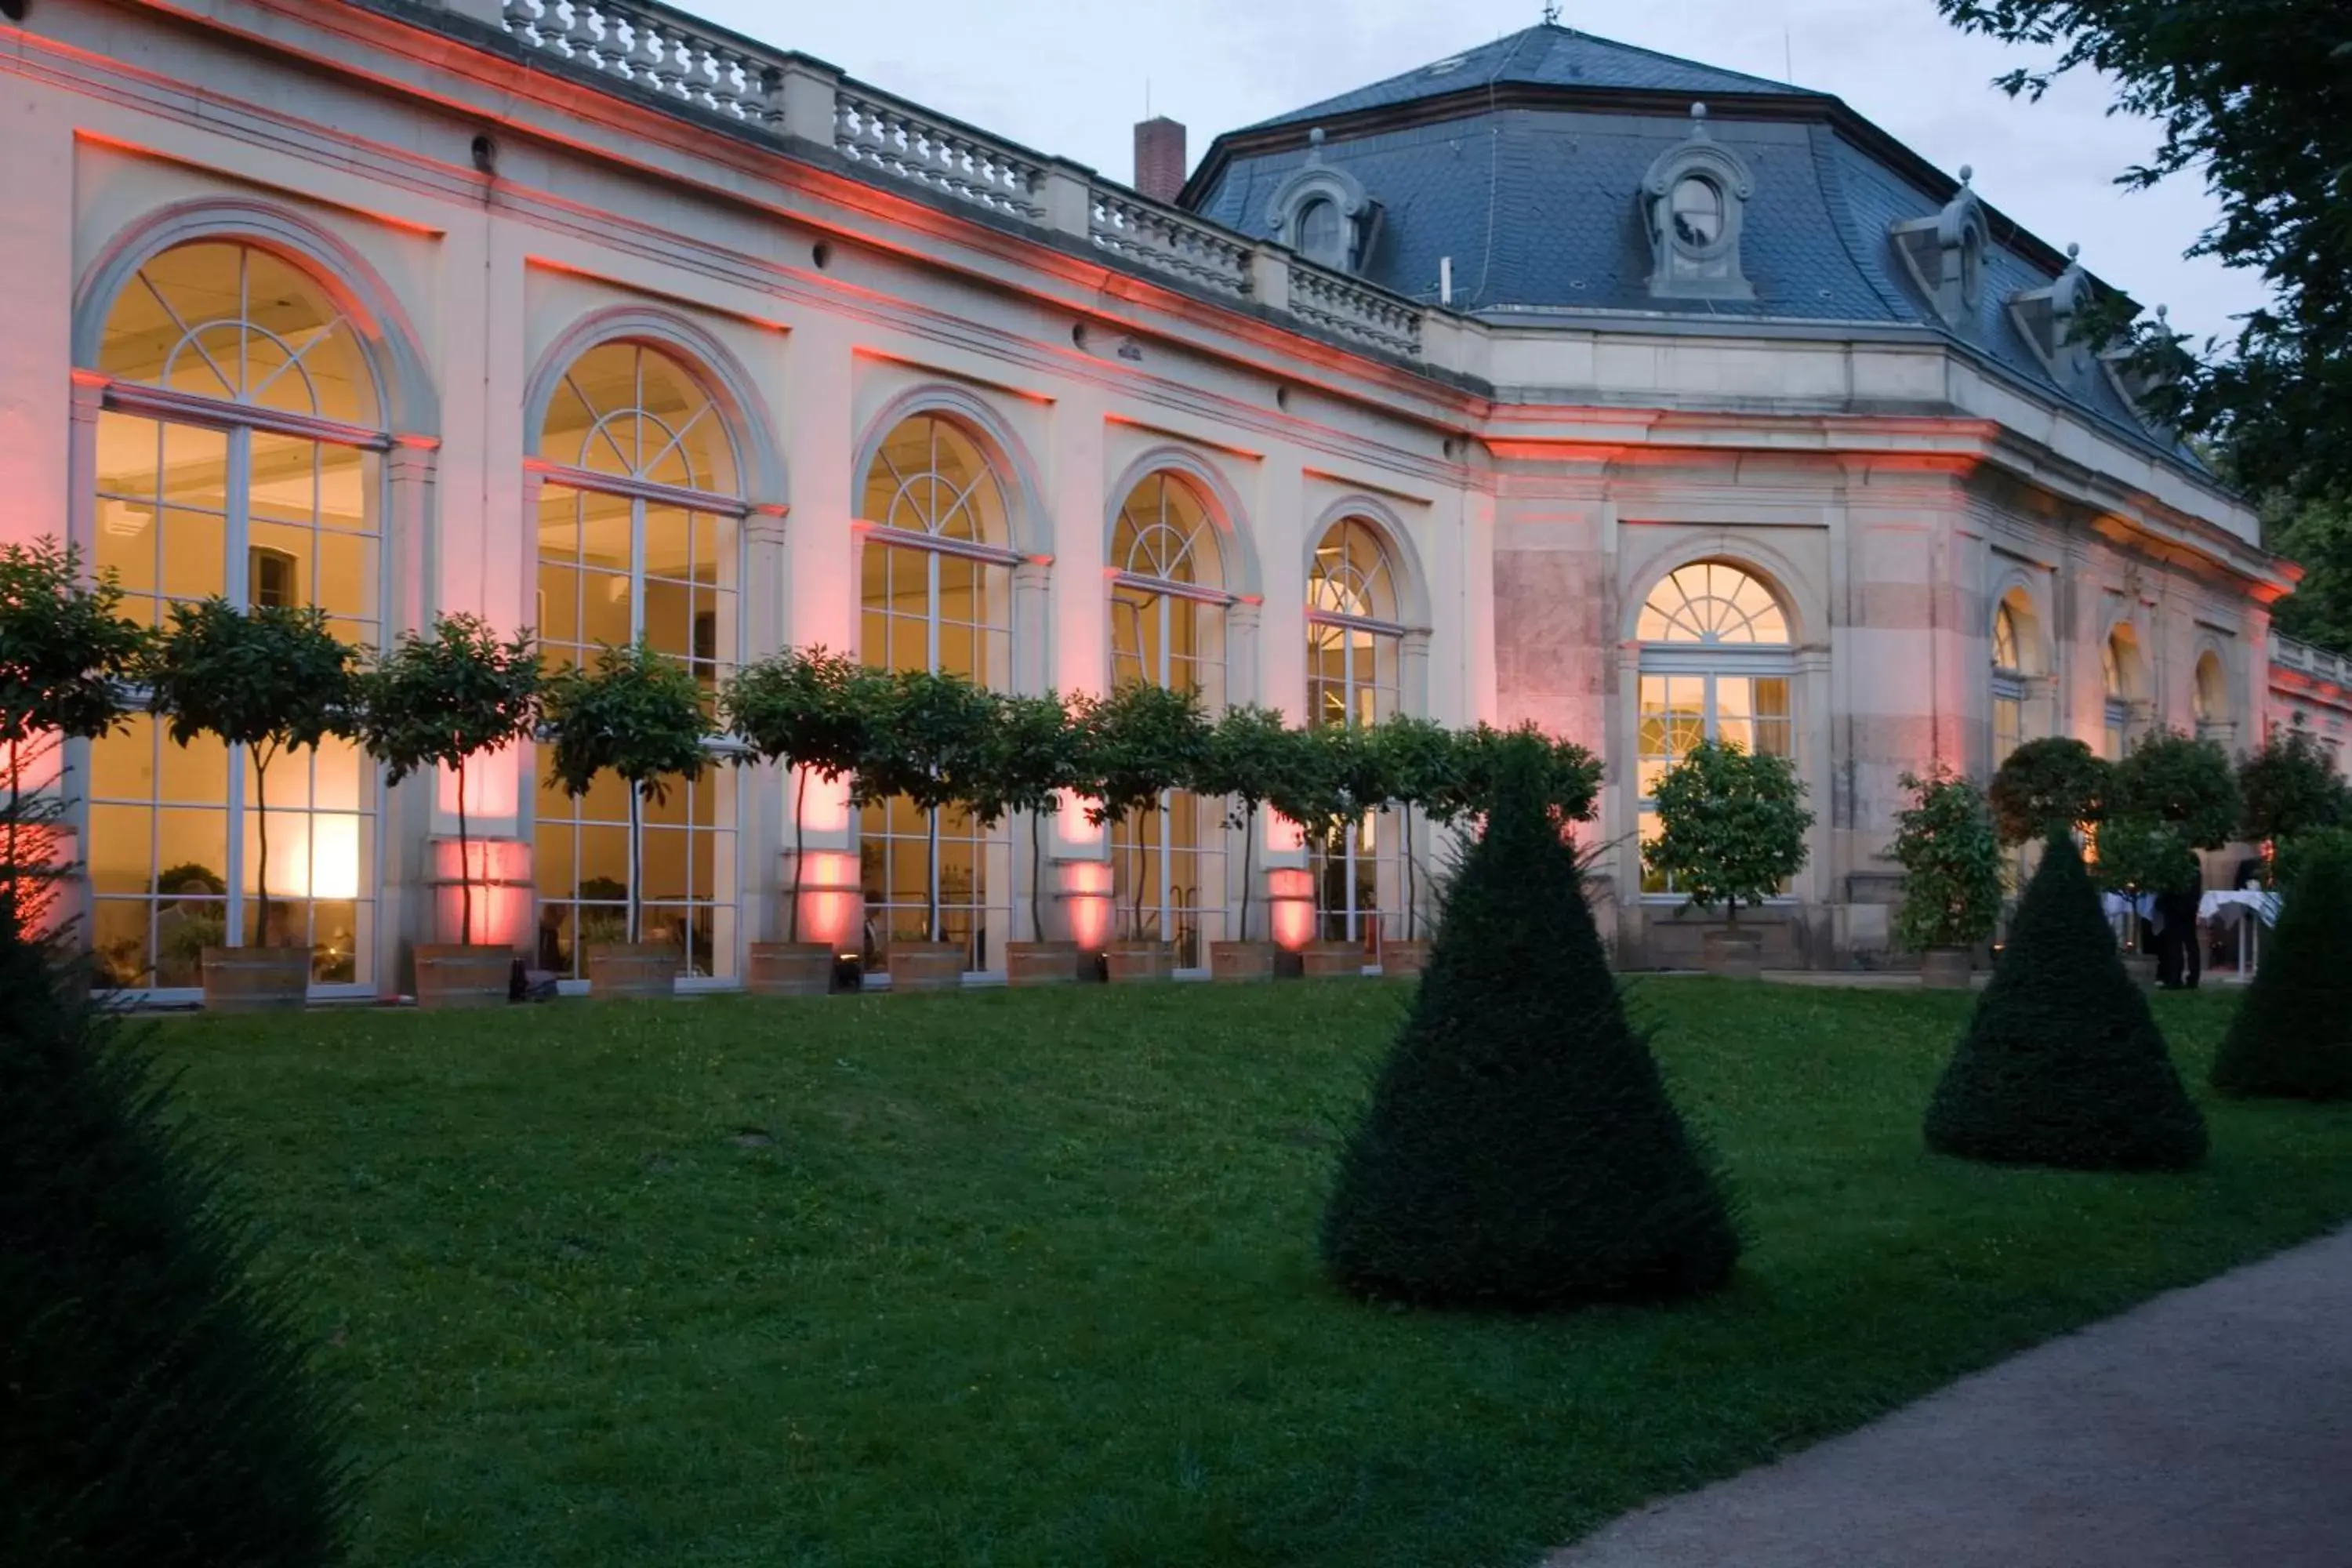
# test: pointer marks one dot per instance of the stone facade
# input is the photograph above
(486, 198)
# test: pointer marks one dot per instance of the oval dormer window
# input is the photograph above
(1318, 232)
(1698, 212)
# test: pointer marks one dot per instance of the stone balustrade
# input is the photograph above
(2287, 653)
(678, 57)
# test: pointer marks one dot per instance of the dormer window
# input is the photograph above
(1945, 255)
(1693, 202)
(1323, 212)
(2047, 318)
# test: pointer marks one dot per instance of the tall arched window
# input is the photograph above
(640, 504)
(1355, 647)
(2124, 679)
(2016, 659)
(238, 454)
(1716, 665)
(2213, 698)
(938, 595)
(1168, 609)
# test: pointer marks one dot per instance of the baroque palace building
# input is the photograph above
(1555, 381)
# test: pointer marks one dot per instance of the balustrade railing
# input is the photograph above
(2316, 662)
(676, 56)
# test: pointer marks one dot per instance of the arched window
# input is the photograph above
(2016, 659)
(2124, 680)
(1716, 665)
(938, 595)
(1354, 648)
(640, 506)
(1168, 609)
(2213, 698)
(239, 453)
(1319, 237)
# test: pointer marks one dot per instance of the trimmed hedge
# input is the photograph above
(155, 1407)
(2062, 1063)
(2291, 1038)
(1520, 1149)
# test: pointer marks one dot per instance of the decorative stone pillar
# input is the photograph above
(406, 912)
(1412, 672)
(1243, 618)
(1033, 626)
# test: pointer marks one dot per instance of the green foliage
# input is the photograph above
(2061, 1063)
(442, 700)
(2250, 98)
(272, 680)
(2055, 784)
(2187, 782)
(160, 1409)
(1571, 778)
(2290, 787)
(1951, 864)
(2144, 854)
(2291, 1038)
(1136, 745)
(2319, 535)
(2288, 856)
(1249, 755)
(1033, 750)
(1731, 826)
(809, 711)
(636, 713)
(927, 738)
(1425, 765)
(1520, 1149)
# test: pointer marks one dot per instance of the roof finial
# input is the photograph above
(1698, 112)
(1967, 173)
(1315, 145)
(1552, 13)
(2074, 251)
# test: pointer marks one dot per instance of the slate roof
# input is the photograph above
(1546, 56)
(1534, 198)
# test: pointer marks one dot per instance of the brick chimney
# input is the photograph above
(1160, 164)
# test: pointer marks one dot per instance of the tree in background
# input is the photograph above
(2055, 784)
(2290, 787)
(2318, 535)
(273, 679)
(638, 714)
(1951, 864)
(2061, 1063)
(1248, 756)
(1139, 744)
(807, 710)
(1424, 767)
(1521, 1149)
(444, 700)
(2250, 95)
(66, 657)
(2290, 1038)
(2169, 777)
(160, 1406)
(1731, 826)
(926, 739)
(1030, 753)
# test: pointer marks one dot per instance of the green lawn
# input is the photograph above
(1029, 1278)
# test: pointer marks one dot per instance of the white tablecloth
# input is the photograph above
(2226, 910)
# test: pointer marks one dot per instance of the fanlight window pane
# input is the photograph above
(1319, 230)
(635, 413)
(233, 323)
(1698, 212)
(1351, 575)
(2004, 639)
(1164, 531)
(1713, 604)
(930, 476)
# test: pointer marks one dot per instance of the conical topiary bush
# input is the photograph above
(1520, 1149)
(2062, 1063)
(154, 1408)
(2291, 1038)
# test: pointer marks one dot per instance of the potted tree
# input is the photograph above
(1243, 757)
(807, 710)
(2290, 787)
(1951, 875)
(2055, 784)
(1731, 831)
(924, 741)
(2142, 857)
(1335, 772)
(638, 714)
(1424, 767)
(271, 680)
(67, 655)
(2189, 785)
(1029, 755)
(439, 702)
(1141, 741)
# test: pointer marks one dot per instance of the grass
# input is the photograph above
(1029, 1278)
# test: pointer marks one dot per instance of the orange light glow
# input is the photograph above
(825, 807)
(1085, 901)
(493, 786)
(504, 896)
(1071, 824)
(831, 900)
(1290, 895)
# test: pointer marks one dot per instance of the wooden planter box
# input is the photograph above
(1404, 957)
(634, 971)
(790, 969)
(256, 979)
(924, 965)
(1733, 954)
(1242, 961)
(459, 974)
(1329, 960)
(1129, 962)
(1040, 963)
(1947, 968)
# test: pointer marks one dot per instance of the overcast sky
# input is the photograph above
(1070, 78)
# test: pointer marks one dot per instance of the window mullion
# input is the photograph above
(636, 571)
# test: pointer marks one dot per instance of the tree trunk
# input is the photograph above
(1412, 879)
(15, 811)
(636, 858)
(1037, 876)
(464, 864)
(799, 851)
(261, 813)
(931, 886)
(1249, 847)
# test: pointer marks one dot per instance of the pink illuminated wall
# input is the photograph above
(504, 898)
(1086, 900)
